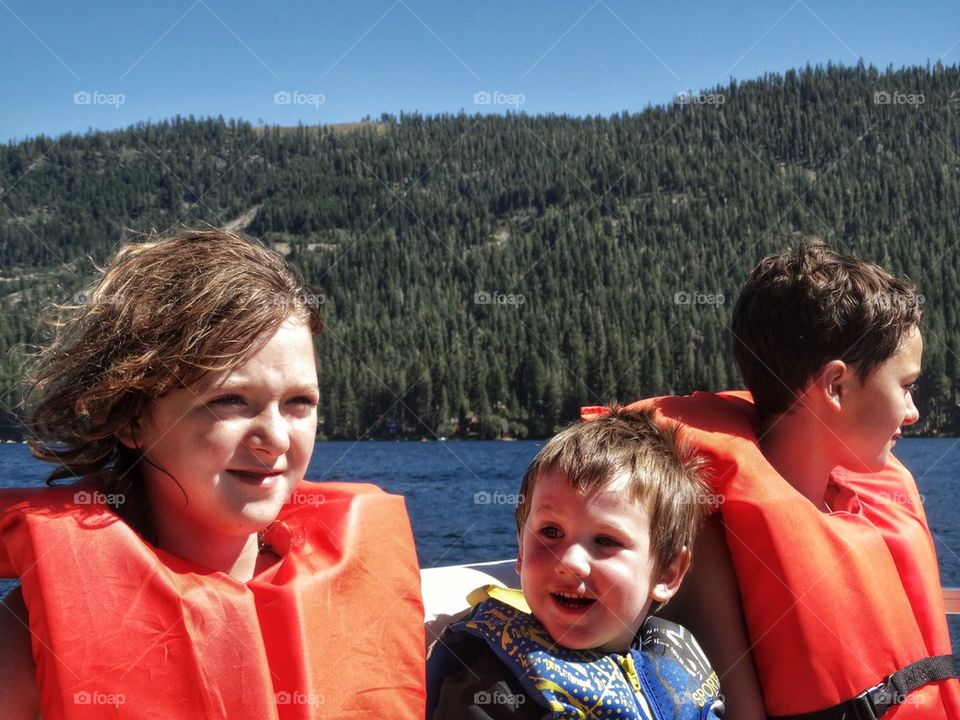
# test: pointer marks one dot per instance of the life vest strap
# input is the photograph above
(874, 702)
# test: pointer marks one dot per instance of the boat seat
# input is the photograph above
(445, 590)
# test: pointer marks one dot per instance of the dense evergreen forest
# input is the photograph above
(488, 275)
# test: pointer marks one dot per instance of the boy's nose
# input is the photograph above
(574, 560)
(912, 413)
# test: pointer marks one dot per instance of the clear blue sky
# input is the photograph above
(109, 63)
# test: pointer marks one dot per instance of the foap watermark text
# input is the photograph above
(83, 697)
(485, 297)
(313, 300)
(484, 497)
(299, 698)
(888, 97)
(695, 297)
(498, 698)
(95, 497)
(699, 98)
(84, 97)
(314, 499)
(295, 97)
(483, 97)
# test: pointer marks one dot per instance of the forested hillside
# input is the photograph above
(494, 273)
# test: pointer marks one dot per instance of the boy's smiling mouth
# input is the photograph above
(572, 601)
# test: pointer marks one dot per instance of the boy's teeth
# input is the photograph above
(573, 600)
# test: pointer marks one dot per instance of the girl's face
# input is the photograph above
(236, 442)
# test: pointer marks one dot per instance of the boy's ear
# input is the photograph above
(829, 384)
(519, 552)
(668, 581)
(127, 435)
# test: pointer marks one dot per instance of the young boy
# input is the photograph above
(820, 564)
(608, 511)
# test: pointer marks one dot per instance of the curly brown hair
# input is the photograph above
(809, 305)
(163, 313)
(662, 471)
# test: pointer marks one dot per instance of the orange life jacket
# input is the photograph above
(121, 629)
(833, 603)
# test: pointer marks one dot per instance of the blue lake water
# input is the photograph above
(460, 494)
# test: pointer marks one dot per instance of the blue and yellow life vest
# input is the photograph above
(665, 676)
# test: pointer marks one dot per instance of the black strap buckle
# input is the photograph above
(873, 702)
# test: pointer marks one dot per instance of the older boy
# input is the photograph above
(607, 513)
(830, 556)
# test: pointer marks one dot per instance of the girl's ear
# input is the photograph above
(127, 435)
(669, 579)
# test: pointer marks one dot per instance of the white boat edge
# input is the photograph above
(445, 591)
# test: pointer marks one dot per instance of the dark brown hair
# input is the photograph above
(660, 471)
(810, 305)
(162, 314)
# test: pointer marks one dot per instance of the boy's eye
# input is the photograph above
(551, 532)
(304, 400)
(228, 400)
(912, 387)
(606, 541)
